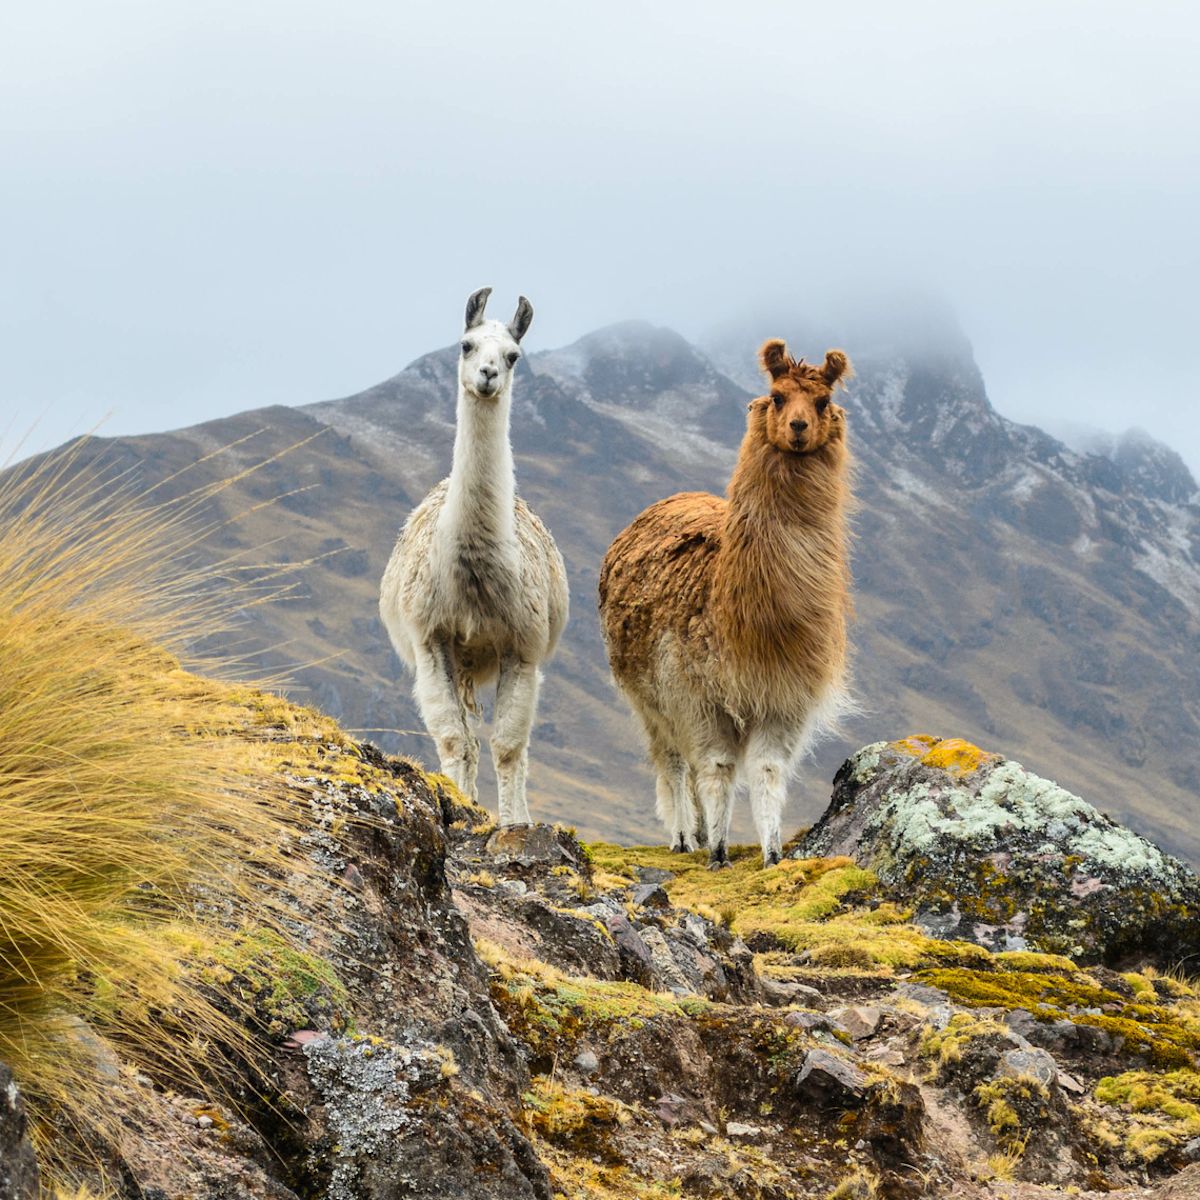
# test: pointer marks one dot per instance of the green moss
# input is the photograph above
(283, 982)
(815, 904)
(1164, 1034)
(1164, 1109)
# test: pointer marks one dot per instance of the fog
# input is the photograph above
(210, 207)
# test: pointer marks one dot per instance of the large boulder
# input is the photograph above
(988, 852)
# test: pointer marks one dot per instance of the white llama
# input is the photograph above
(476, 589)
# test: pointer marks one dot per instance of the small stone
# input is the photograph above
(831, 1080)
(859, 1020)
(671, 1109)
(650, 895)
(1069, 1083)
(804, 1019)
(712, 1130)
(1035, 1062)
(739, 1129)
(530, 844)
(204, 1122)
(781, 992)
(653, 875)
(1191, 1150)
(922, 993)
(637, 960)
(667, 968)
(587, 1062)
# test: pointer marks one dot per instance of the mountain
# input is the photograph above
(1011, 590)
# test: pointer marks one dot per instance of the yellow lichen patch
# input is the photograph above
(1003, 1164)
(1142, 986)
(860, 1184)
(449, 1064)
(577, 1177)
(1164, 1108)
(572, 1118)
(947, 1045)
(916, 744)
(1004, 1100)
(955, 755)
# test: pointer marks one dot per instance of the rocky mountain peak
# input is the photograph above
(632, 362)
(1153, 468)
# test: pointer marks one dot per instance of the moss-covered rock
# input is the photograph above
(988, 852)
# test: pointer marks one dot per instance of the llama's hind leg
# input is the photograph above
(714, 782)
(516, 703)
(770, 754)
(440, 703)
(676, 808)
(697, 806)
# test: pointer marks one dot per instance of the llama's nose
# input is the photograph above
(799, 426)
(489, 373)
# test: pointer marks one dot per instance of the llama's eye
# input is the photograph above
(467, 347)
(777, 399)
(822, 404)
(512, 357)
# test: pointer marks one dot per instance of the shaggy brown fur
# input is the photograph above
(725, 620)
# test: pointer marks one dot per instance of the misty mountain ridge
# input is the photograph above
(1035, 598)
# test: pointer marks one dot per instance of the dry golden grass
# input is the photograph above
(117, 809)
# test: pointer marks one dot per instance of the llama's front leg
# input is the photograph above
(769, 758)
(440, 703)
(516, 703)
(714, 783)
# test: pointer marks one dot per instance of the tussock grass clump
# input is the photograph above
(123, 819)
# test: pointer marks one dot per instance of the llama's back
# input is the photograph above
(655, 583)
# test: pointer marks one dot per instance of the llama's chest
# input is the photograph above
(476, 588)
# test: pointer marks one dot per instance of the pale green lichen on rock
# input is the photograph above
(985, 850)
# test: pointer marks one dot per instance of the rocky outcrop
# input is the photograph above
(494, 1014)
(18, 1164)
(988, 852)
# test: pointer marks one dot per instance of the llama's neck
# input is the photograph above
(481, 495)
(782, 568)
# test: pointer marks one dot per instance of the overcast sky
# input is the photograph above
(213, 206)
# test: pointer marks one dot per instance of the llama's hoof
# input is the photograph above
(719, 864)
(771, 858)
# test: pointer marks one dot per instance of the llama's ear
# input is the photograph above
(774, 358)
(519, 325)
(475, 306)
(837, 366)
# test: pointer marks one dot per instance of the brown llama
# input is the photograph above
(725, 620)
